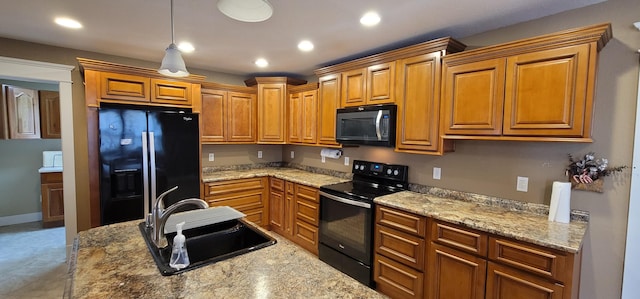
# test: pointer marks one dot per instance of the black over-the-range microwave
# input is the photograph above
(367, 125)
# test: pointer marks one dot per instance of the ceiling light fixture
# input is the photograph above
(186, 47)
(370, 19)
(305, 46)
(68, 23)
(261, 62)
(246, 10)
(172, 63)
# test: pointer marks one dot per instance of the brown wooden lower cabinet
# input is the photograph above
(295, 212)
(454, 274)
(397, 280)
(52, 199)
(249, 196)
(505, 282)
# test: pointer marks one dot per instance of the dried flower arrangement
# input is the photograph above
(589, 170)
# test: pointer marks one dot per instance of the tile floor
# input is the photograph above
(32, 261)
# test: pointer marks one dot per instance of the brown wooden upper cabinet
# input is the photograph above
(272, 111)
(228, 116)
(50, 126)
(368, 86)
(538, 89)
(20, 117)
(328, 102)
(303, 112)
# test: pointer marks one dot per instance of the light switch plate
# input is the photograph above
(259, 154)
(211, 157)
(523, 184)
(322, 158)
(293, 155)
(436, 173)
(346, 161)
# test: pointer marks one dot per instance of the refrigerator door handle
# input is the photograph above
(145, 178)
(152, 161)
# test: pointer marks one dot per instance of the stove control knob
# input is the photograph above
(389, 171)
(361, 167)
(395, 172)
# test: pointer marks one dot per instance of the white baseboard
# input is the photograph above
(23, 218)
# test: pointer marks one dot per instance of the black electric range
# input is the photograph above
(347, 216)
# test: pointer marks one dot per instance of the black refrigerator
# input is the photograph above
(143, 153)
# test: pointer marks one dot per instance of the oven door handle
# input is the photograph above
(346, 201)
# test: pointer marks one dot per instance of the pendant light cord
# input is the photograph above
(172, 39)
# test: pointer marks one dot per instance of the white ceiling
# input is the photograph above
(141, 28)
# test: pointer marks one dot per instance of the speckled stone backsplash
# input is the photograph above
(335, 173)
(213, 169)
(509, 204)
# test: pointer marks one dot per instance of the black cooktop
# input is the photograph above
(371, 180)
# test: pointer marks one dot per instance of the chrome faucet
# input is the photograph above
(159, 215)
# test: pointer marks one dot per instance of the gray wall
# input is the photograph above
(19, 163)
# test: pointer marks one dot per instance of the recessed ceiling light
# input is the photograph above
(186, 47)
(370, 19)
(305, 46)
(261, 62)
(68, 23)
(246, 10)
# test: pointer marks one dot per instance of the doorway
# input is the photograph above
(35, 71)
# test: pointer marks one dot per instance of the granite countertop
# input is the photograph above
(113, 262)
(527, 227)
(290, 174)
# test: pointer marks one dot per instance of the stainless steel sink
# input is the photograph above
(209, 244)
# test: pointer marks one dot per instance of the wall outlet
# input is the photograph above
(523, 184)
(293, 154)
(346, 161)
(436, 173)
(259, 154)
(211, 157)
(323, 159)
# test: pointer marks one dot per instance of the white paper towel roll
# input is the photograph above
(331, 153)
(560, 207)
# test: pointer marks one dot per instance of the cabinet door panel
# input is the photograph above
(295, 117)
(124, 87)
(23, 112)
(354, 87)
(504, 282)
(546, 93)
(455, 274)
(309, 110)
(170, 92)
(418, 102)
(473, 97)
(271, 113)
(381, 83)
(328, 102)
(241, 116)
(276, 210)
(214, 126)
(50, 126)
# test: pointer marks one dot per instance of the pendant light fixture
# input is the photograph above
(172, 63)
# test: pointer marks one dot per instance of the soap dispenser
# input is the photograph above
(179, 256)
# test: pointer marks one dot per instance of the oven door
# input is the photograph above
(346, 226)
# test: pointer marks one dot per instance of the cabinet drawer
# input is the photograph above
(402, 247)
(504, 282)
(124, 87)
(170, 92)
(397, 280)
(257, 216)
(459, 237)
(277, 184)
(233, 186)
(308, 193)
(401, 220)
(307, 211)
(249, 199)
(51, 177)
(528, 257)
(306, 235)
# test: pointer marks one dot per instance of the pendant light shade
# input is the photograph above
(172, 63)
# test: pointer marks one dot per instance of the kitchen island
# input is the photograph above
(113, 262)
